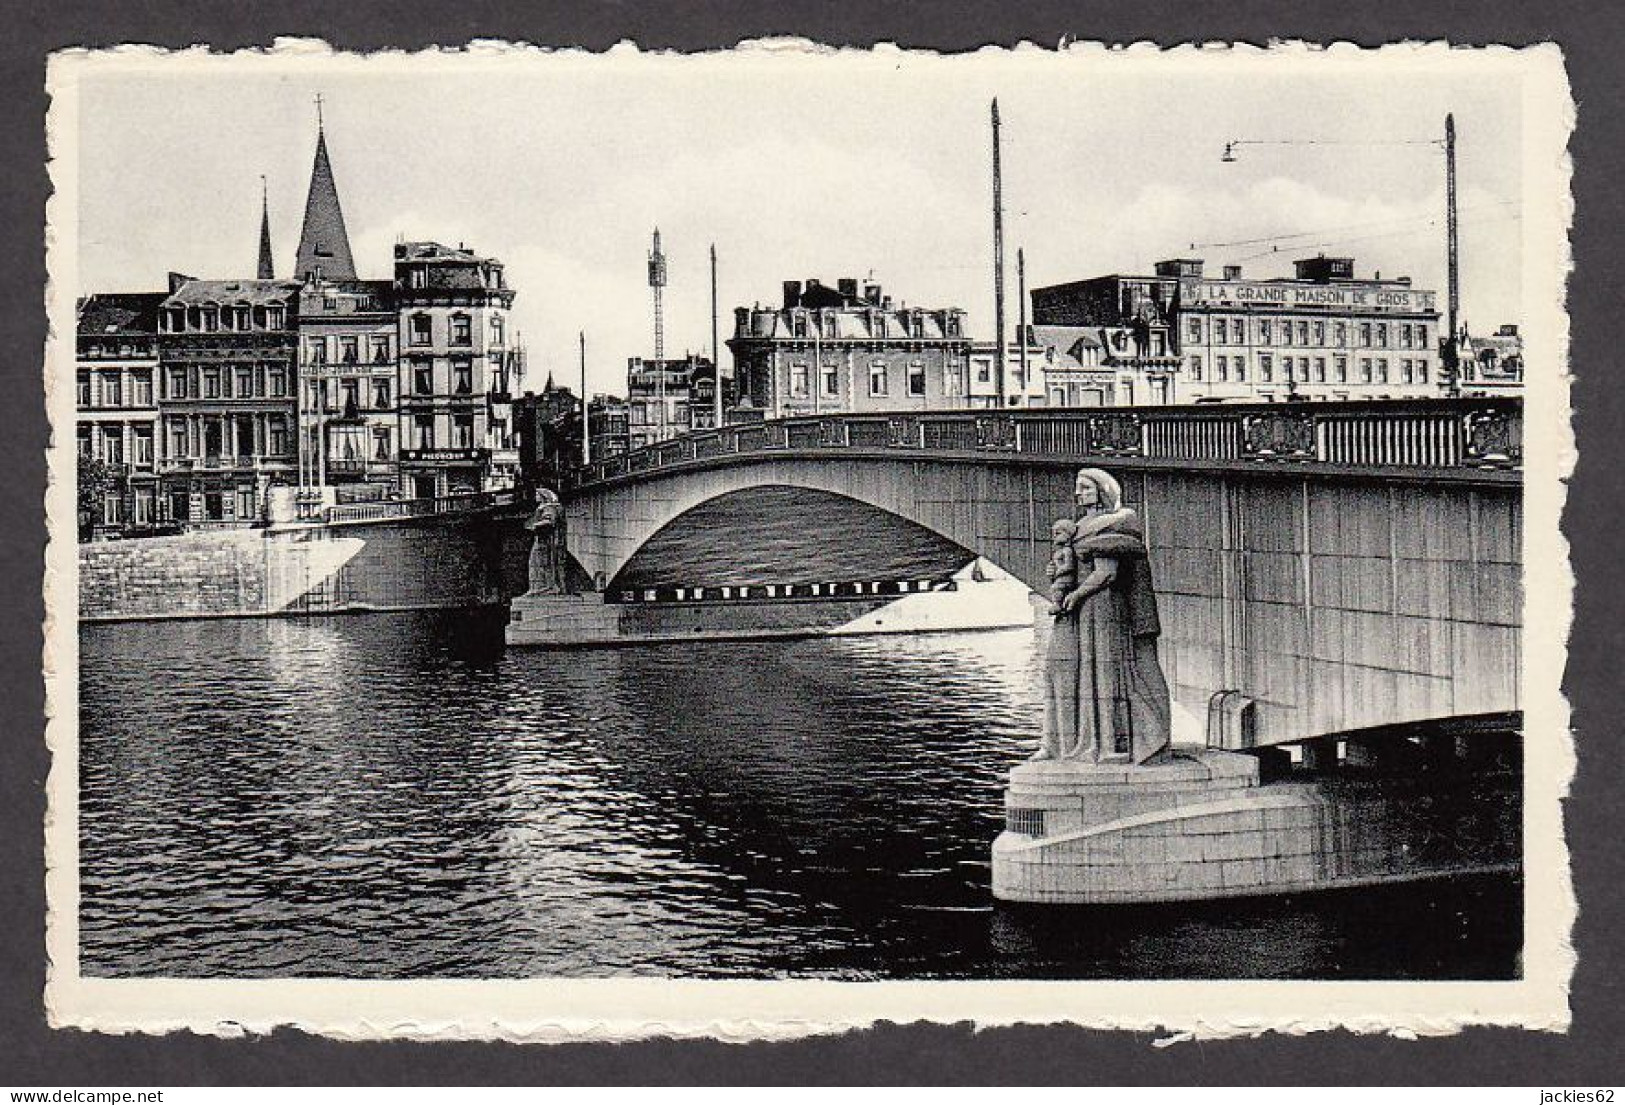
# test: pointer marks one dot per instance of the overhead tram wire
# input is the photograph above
(1394, 220)
(1321, 243)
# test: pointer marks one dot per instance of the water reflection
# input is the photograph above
(394, 796)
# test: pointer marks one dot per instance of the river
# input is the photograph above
(397, 796)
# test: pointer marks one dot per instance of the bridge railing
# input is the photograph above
(1412, 434)
(385, 510)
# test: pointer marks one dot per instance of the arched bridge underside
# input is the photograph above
(1339, 575)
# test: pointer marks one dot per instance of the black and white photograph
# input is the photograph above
(549, 543)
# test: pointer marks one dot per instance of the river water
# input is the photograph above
(395, 795)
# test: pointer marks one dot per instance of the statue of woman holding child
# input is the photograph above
(1105, 692)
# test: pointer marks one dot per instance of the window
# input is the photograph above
(244, 320)
(211, 383)
(1196, 368)
(1422, 371)
(210, 317)
(798, 380)
(1382, 370)
(1221, 331)
(84, 442)
(1405, 371)
(380, 349)
(1421, 335)
(276, 383)
(143, 446)
(1382, 335)
(84, 390)
(1266, 370)
(423, 431)
(1303, 333)
(462, 431)
(422, 332)
(462, 376)
(462, 333)
(349, 351)
(832, 383)
(1221, 368)
(380, 443)
(143, 506)
(1365, 370)
(877, 378)
(1340, 334)
(112, 390)
(112, 509)
(273, 318)
(1263, 331)
(496, 329)
(917, 324)
(1320, 370)
(798, 324)
(276, 437)
(418, 278)
(245, 502)
(113, 445)
(1239, 364)
(1404, 335)
(380, 395)
(1341, 364)
(984, 372)
(953, 379)
(1195, 328)
(1365, 335)
(245, 383)
(423, 378)
(350, 395)
(177, 438)
(916, 378)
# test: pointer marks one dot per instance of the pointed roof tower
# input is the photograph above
(324, 246)
(267, 270)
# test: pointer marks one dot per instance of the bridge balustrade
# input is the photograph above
(1425, 434)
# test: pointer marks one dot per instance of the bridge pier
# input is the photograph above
(1320, 754)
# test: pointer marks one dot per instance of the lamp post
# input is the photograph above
(1447, 348)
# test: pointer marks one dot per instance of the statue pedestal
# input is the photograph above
(1113, 832)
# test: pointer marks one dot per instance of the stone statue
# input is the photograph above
(1104, 687)
(1062, 569)
(546, 575)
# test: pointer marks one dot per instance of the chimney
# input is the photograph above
(847, 287)
(871, 293)
(176, 279)
(792, 293)
(1232, 272)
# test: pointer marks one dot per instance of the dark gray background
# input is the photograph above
(32, 1055)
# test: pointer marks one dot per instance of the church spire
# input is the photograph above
(267, 271)
(324, 245)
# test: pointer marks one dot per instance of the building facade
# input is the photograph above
(670, 397)
(456, 371)
(1492, 364)
(116, 397)
(1179, 336)
(348, 366)
(842, 349)
(609, 430)
(548, 429)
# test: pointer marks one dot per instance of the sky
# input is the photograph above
(800, 164)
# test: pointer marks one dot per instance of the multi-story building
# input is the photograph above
(841, 350)
(608, 426)
(228, 367)
(548, 429)
(1490, 365)
(1178, 336)
(457, 369)
(672, 396)
(117, 408)
(348, 418)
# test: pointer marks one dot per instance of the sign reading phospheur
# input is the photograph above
(1243, 293)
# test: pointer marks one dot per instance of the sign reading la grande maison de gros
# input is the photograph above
(1355, 297)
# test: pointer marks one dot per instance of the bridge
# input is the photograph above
(1321, 568)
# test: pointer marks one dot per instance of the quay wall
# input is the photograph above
(400, 564)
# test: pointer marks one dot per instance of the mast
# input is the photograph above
(1452, 377)
(586, 412)
(1021, 329)
(998, 259)
(716, 349)
(657, 282)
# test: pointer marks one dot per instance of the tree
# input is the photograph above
(97, 479)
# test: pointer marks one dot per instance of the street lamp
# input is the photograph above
(1447, 350)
